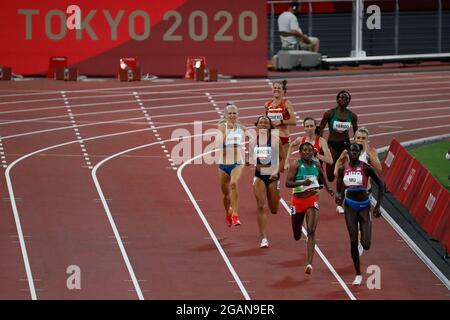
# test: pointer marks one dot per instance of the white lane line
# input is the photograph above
(2, 154)
(12, 197)
(219, 247)
(411, 244)
(303, 102)
(208, 227)
(137, 288)
(391, 127)
(324, 259)
(151, 124)
(219, 112)
(292, 82)
(381, 96)
(108, 211)
(23, 247)
(209, 121)
(398, 131)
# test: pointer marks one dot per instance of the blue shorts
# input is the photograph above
(227, 168)
(358, 206)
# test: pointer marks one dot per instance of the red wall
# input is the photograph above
(98, 53)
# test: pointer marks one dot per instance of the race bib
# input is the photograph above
(314, 184)
(233, 139)
(353, 179)
(263, 152)
(340, 126)
(275, 116)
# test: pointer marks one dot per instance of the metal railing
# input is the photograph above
(345, 35)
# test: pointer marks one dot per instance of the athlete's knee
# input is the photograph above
(297, 236)
(310, 232)
(365, 244)
(273, 206)
(233, 185)
(260, 207)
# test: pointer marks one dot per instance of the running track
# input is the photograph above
(89, 180)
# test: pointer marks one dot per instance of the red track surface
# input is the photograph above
(169, 249)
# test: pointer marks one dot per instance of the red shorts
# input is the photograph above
(302, 204)
(284, 140)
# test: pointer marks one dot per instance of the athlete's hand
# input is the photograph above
(247, 163)
(286, 166)
(331, 192)
(274, 176)
(307, 182)
(376, 212)
(338, 198)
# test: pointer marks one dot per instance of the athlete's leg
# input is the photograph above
(312, 217)
(283, 155)
(351, 220)
(297, 223)
(261, 194)
(365, 227)
(234, 193)
(330, 167)
(224, 179)
(273, 196)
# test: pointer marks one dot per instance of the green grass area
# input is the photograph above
(432, 156)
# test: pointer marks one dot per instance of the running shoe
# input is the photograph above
(235, 221)
(360, 249)
(340, 210)
(228, 219)
(308, 269)
(357, 281)
(264, 243)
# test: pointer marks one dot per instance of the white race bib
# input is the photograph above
(233, 139)
(341, 126)
(314, 184)
(353, 179)
(275, 116)
(263, 152)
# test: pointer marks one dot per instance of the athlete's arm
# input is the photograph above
(370, 172)
(322, 176)
(220, 136)
(374, 160)
(340, 187)
(292, 145)
(340, 162)
(323, 122)
(354, 118)
(292, 121)
(248, 138)
(326, 157)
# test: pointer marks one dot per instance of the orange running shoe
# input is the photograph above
(235, 221)
(228, 219)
